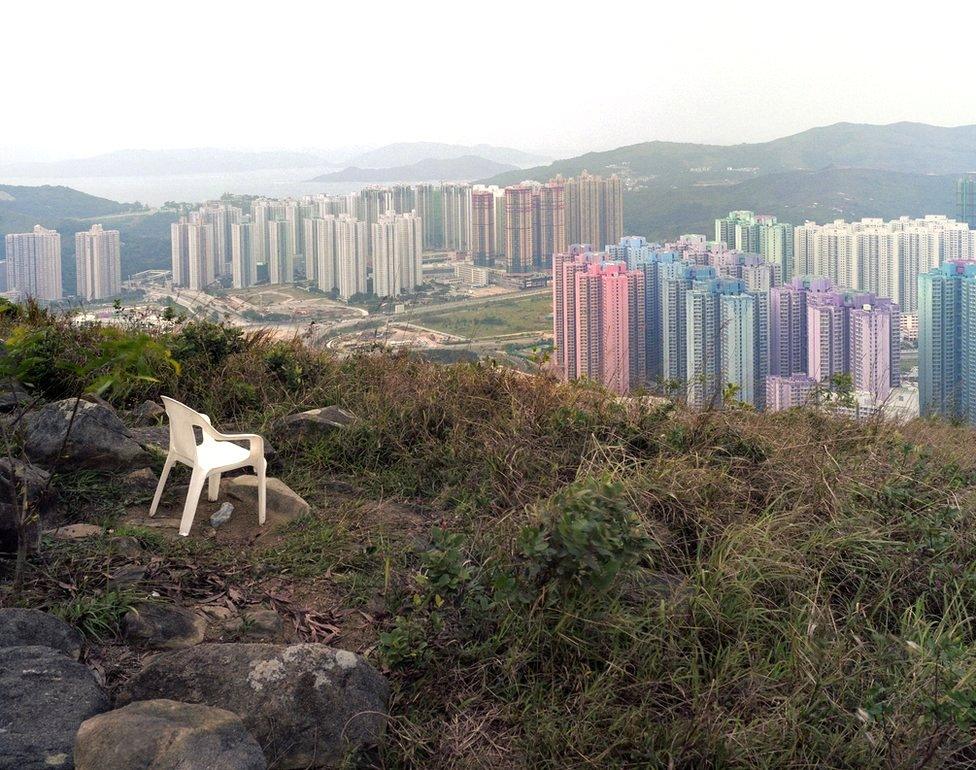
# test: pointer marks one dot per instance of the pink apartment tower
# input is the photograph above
(599, 322)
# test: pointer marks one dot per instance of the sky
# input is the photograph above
(559, 78)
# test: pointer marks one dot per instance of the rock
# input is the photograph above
(153, 437)
(147, 413)
(75, 531)
(164, 626)
(216, 611)
(221, 515)
(142, 480)
(167, 735)
(26, 480)
(98, 439)
(44, 698)
(307, 704)
(13, 396)
(19, 628)
(315, 422)
(256, 625)
(127, 576)
(126, 545)
(281, 498)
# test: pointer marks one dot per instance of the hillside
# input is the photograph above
(407, 153)
(549, 576)
(164, 163)
(680, 187)
(144, 234)
(462, 169)
(797, 196)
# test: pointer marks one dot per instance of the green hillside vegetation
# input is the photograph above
(145, 236)
(552, 576)
(840, 170)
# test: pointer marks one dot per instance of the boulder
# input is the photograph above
(125, 545)
(147, 413)
(98, 439)
(256, 625)
(126, 576)
(44, 698)
(164, 626)
(315, 422)
(20, 628)
(141, 480)
(21, 479)
(13, 396)
(287, 504)
(75, 531)
(167, 735)
(308, 705)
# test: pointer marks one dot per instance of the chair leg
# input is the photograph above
(262, 468)
(167, 467)
(214, 487)
(197, 479)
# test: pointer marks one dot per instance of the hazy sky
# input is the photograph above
(79, 78)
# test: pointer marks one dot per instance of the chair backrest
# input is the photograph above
(182, 421)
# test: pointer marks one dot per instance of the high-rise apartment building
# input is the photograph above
(34, 263)
(789, 391)
(966, 200)
(192, 244)
(430, 209)
(281, 251)
(484, 232)
(98, 263)
(610, 325)
(705, 336)
(947, 341)
(594, 209)
(397, 254)
(549, 223)
(519, 229)
(244, 268)
(788, 324)
(456, 207)
(351, 237)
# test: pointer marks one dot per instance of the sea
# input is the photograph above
(191, 188)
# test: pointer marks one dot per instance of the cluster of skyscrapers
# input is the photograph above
(521, 226)
(710, 322)
(339, 242)
(33, 264)
(320, 239)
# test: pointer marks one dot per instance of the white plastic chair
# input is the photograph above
(215, 454)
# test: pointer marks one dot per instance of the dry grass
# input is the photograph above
(803, 595)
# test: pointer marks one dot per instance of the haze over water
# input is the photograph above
(156, 190)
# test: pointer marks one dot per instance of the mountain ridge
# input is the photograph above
(407, 153)
(462, 169)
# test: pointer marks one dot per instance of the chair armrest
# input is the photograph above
(252, 438)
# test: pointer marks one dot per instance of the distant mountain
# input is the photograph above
(794, 196)
(907, 147)
(845, 169)
(461, 169)
(407, 153)
(163, 163)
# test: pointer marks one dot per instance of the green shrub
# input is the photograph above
(582, 539)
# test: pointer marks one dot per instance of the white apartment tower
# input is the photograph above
(34, 263)
(397, 254)
(98, 263)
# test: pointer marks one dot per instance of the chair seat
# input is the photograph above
(219, 453)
